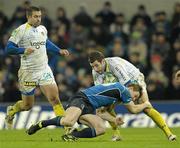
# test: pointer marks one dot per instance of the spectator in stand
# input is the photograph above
(82, 17)
(173, 91)
(139, 46)
(3, 23)
(107, 14)
(100, 35)
(176, 15)
(161, 24)
(62, 18)
(141, 13)
(116, 48)
(120, 28)
(160, 45)
(134, 58)
(78, 33)
(158, 81)
(46, 21)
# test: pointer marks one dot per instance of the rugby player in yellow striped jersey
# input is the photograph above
(30, 41)
(108, 70)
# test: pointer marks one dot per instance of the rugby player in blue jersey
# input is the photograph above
(83, 105)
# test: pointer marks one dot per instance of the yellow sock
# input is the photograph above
(157, 118)
(115, 129)
(59, 110)
(16, 108)
(113, 125)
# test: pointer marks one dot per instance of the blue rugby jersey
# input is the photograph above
(107, 94)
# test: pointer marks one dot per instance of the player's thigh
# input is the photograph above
(95, 122)
(47, 84)
(71, 116)
(50, 90)
(142, 83)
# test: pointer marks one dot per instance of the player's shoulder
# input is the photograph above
(112, 59)
(42, 28)
(18, 30)
(21, 27)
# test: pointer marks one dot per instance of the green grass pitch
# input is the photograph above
(51, 138)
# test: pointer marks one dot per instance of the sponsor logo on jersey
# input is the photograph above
(122, 75)
(37, 45)
(29, 83)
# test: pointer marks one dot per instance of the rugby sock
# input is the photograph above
(16, 108)
(58, 110)
(85, 133)
(54, 121)
(157, 118)
(115, 129)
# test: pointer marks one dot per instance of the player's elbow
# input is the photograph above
(133, 110)
(9, 48)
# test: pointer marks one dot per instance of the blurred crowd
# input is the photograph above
(151, 43)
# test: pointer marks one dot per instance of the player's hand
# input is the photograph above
(148, 104)
(119, 121)
(28, 51)
(64, 52)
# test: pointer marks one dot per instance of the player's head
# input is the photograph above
(97, 62)
(34, 16)
(135, 91)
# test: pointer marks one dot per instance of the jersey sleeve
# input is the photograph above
(120, 72)
(45, 31)
(16, 35)
(126, 97)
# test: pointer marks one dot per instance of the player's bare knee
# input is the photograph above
(100, 130)
(67, 122)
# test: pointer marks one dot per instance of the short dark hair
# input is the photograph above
(136, 87)
(95, 55)
(31, 9)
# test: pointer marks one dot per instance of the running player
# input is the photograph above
(116, 69)
(30, 41)
(83, 105)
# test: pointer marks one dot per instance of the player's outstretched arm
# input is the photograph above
(104, 114)
(51, 47)
(133, 108)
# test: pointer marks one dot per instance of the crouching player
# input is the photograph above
(83, 105)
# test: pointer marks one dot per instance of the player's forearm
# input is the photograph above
(106, 116)
(51, 47)
(136, 108)
(12, 48)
